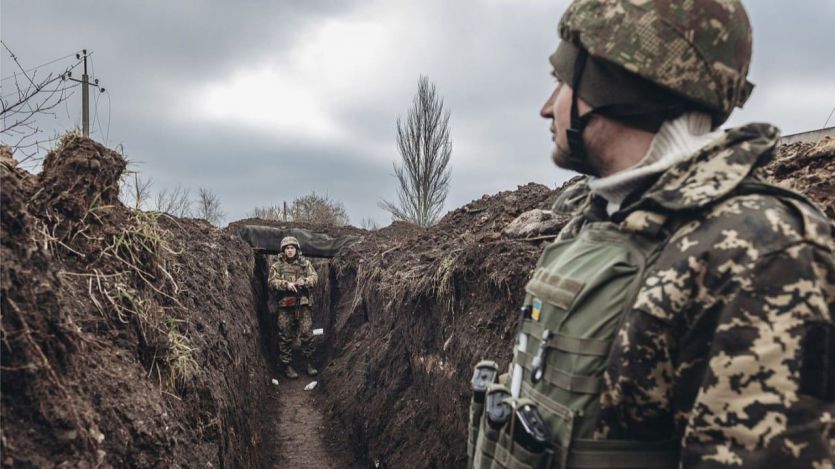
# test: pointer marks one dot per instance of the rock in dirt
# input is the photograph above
(536, 222)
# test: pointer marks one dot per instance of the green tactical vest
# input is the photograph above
(579, 294)
(291, 271)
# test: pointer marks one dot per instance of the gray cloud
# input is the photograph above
(488, 59)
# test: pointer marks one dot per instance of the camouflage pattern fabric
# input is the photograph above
(289, 327)
(700, 49)
(285, 271)
(720, 346)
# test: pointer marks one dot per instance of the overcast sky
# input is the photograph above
(262, 101)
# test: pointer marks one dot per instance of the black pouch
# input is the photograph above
(496, 414)
(817, 370)
(484, 375)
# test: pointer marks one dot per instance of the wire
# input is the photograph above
(96, 113)
(56, 77)
(107, 136)
(827, 119)
(38, 66)
(96, 119)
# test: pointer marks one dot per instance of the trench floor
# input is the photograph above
(302, 436)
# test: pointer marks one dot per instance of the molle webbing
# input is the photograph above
(569, 344)
(563, 380)
(557, 290)
(614, 454)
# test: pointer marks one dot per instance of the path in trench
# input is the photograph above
(300, 438)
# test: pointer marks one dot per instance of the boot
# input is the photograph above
(290, 372)
(311, 371)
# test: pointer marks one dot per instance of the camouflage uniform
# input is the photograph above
(729, 321)
(294, 313)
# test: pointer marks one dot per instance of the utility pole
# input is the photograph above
(85, 99)
(85, 94)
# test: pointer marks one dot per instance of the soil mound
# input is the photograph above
(128, 338)
(808, 168)
(412, 316)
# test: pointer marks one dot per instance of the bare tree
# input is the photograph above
(424, 143)
(369, 224)
(208, 206)
(273, 212)
(315, 208)
(33, 96)
(175, 202)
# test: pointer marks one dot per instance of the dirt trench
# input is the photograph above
(129, 338)
(135, 339)
(297, 432)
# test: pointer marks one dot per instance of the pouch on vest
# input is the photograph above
(496, 414)
(524, 442)
(485, 374)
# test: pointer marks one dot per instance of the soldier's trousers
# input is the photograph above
(289, 326)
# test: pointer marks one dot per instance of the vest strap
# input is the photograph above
(576, 345)
(563, 380)
(600, 454)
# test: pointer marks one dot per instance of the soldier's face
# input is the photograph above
(558, 109)
(290, 252)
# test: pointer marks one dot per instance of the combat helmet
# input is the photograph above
(289, 241)
(671, 56)
(699, 49)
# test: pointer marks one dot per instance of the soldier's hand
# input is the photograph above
(292, 287)
(300, 282)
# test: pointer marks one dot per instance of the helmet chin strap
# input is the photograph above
(577, 160)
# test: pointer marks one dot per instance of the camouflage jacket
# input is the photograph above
(285, 271)
(730, 344)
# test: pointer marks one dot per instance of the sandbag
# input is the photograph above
(268, 238)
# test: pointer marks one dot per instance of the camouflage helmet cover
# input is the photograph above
(289, 241)
(700, 49)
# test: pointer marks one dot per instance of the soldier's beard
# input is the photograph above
(565, 159)
(596, 136)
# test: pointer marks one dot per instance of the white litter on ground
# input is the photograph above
(275, 381)
(311, 385)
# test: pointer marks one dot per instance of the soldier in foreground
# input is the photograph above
(291, 275)
(684, 317)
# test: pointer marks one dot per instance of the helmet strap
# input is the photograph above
(577, 160)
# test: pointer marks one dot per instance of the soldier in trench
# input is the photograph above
(684, 317)
(292, 276)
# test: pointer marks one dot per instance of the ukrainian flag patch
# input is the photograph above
(537, 306)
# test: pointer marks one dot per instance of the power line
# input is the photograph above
(55, 78)
(38, 66)
(107, 136)
(96, 119)
(827, 119)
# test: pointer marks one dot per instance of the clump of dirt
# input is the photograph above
(808, 168)
(128, 338)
